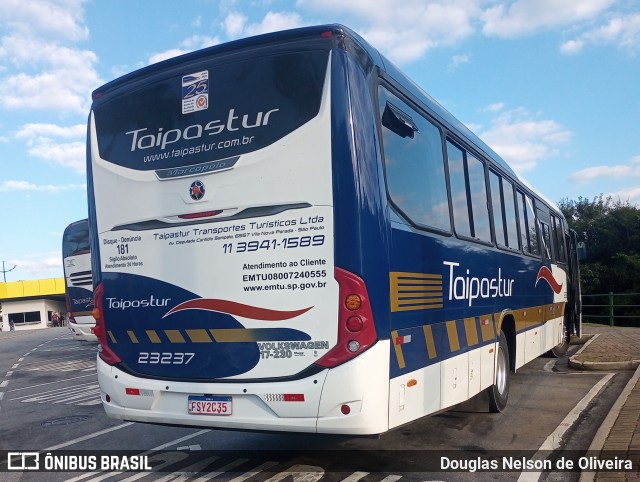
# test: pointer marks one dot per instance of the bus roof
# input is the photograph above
(336, 33)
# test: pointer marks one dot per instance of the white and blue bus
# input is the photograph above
(76, 260)
(288, 234)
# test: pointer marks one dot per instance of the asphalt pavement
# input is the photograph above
(607, 349)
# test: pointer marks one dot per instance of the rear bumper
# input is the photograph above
(362, 384)
(82, 331)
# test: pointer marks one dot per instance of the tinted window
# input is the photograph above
(414, 163)
(559, 240)
(496, 203)
(510, 214)
(468, 194)
(461, 219)
(522, 216)
(546, 240)
(532, 227)
(479, 204)
(245, 105)
(75, 239)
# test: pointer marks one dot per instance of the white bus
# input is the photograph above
(288, 234)
(76, 259)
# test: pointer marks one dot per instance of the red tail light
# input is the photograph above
(204, 214)
(356, 330)
(107, 355)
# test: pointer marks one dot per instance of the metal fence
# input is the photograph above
(614, 309)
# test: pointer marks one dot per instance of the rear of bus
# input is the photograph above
(76, 258)
(225, 296)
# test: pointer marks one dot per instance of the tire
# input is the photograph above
(499, 392)
(561, 349)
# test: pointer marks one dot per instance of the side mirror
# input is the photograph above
(582, 251)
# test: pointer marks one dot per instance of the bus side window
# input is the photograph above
(546, 240)
(498, 211)
(510, 214)
(413, 164)
(479, 203)
(522, 217)
(468, 194)
(532, 227)
(504, 211)
(461, 208)
(559, 240)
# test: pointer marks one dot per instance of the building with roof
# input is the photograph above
(31, 304)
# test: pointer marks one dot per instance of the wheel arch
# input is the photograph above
(507, 324)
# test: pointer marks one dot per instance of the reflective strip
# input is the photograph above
(153, 336)
(471, 331)
(398, 349)
(198, 336)
(174, 336)
(486, 328)
(132, 336)
(431, 345)
(452, 333)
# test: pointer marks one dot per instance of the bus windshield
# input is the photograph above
(75, 240)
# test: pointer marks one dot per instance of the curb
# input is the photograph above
(604, 366)
(600, 366)
(603, 432)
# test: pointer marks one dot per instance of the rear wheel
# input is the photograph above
(499, 392)
(561, 349)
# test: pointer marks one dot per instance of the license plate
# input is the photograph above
(209, 405)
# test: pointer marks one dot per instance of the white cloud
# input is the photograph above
(66, 154)
(43, 70)
(234, 24)
(620, 171)
(623, 31)
(38, 265)
(195, 42)
(51, 18)
(457, 61)
(27, 186)
(632, 195)
(43, 141)
(273, 22)
(405, 31)
(523, 140)
(167, 54)
(495, 107)
(525, 17)
(33, 131)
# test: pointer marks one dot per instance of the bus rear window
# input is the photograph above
(211, 109)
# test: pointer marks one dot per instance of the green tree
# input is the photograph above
(611, 231)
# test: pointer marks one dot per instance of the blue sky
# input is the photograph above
(551, 85)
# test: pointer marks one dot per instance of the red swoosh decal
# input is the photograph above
(545, 274)
(238, 309)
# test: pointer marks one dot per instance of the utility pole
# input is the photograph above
(5, 271)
